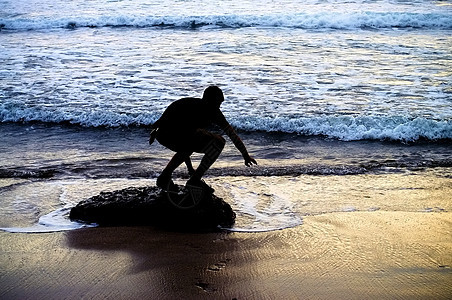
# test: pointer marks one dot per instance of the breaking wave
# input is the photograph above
(346, 128)
(350, 128)
(324, 20)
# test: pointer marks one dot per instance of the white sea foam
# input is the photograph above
(332, 20)
(261, 211)
(54, 221)
(350, 128)
(347, 128)
(13, 113)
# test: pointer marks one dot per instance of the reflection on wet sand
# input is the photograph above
(357, 255)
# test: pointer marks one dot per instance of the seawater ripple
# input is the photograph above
(264, 171)
(319, 20)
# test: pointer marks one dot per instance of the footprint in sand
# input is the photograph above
(218, 266)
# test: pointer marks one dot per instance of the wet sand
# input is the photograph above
(345, 255)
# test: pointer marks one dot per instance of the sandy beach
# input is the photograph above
(359, 255)
(385, 236)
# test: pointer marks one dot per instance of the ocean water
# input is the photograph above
(317, 89)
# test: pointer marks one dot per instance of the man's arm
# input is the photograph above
(227, 128)
(221, 121)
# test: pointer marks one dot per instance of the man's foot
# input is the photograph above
(165, 183)
(200, 183)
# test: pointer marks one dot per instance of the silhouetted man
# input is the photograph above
(181, 128)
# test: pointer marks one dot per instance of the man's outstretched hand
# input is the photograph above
(249, 161)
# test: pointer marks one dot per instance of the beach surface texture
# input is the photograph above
(345, 105)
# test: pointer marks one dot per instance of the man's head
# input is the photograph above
(213, 95)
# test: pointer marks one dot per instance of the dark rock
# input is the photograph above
(150, 206)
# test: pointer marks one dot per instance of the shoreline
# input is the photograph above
(354, 255)
(261, 203)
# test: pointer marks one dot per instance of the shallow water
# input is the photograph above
(49, 169)
(261, 203)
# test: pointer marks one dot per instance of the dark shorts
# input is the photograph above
(182, 141)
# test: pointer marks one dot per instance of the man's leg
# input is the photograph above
(189, 166)
(165, 177)
(212, 149)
